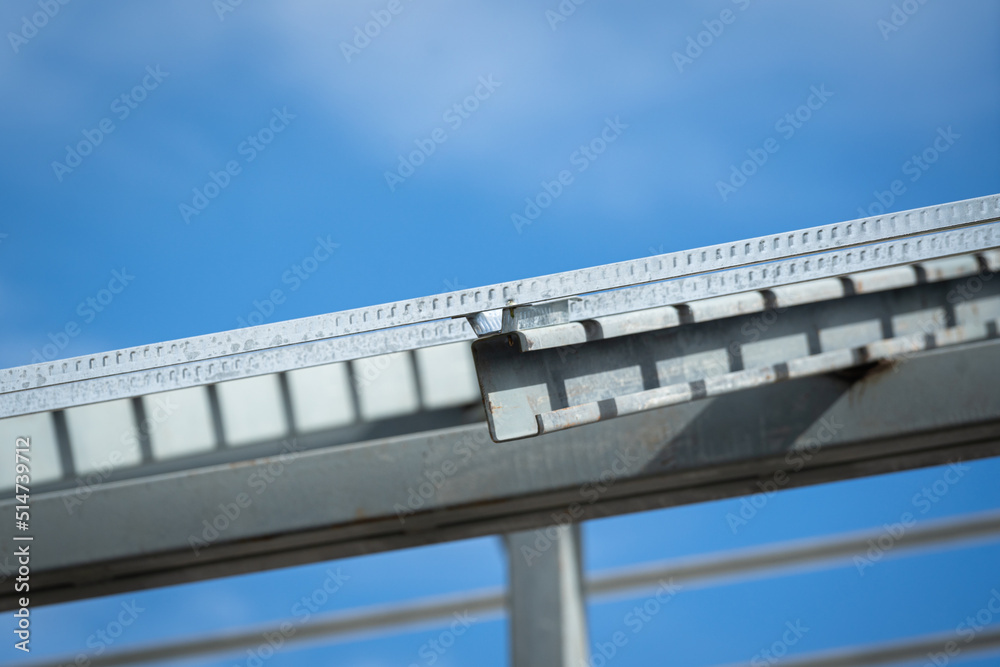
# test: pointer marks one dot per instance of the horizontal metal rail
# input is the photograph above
(403, 325)
(945, 645)
(794, 556)
(690, 573)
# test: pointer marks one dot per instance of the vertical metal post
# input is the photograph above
(548, 619)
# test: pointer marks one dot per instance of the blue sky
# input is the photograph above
(201, 88)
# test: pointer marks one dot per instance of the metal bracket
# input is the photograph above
(540, 380)
(486, 323)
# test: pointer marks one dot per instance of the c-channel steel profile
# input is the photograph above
(934, 409)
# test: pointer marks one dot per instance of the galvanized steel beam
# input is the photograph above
(931, 408)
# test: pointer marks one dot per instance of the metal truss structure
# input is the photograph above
(840, 351)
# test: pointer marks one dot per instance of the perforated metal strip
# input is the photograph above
(236, 354)
(466, 302)
(233, 367)
(733, 281)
